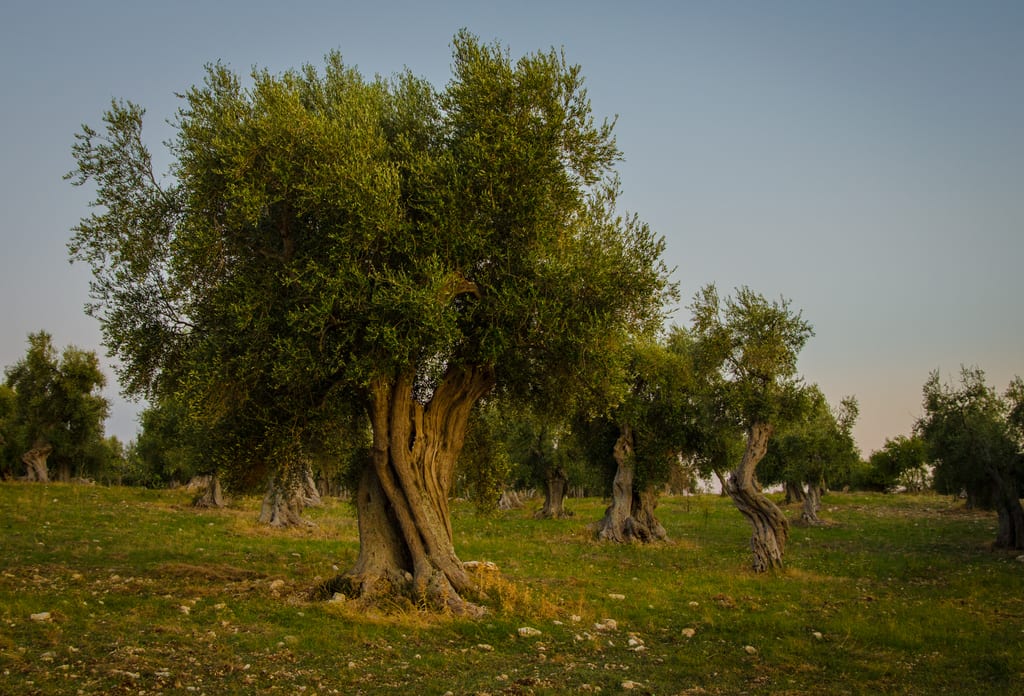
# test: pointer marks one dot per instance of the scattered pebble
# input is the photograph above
(41, 616)
(630, 685)
(528, 632)
(694, 605)
(485, 647)
(817, 635)
(689, 632)
(751, 650)
(615, 595)
(606, 625)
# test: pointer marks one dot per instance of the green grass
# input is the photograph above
(896, 595)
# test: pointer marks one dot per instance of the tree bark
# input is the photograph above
(509, 500)
(283, 504)
(770, 528)
(630, 517)
(794, 492)
(210, 495)
(556, 484)
(812, 503)
(405, 533)
(1010, 532)
(35, 462)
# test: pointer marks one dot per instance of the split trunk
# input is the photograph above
(35, 462)
(630, 517)
(405, 533)
(556, 486)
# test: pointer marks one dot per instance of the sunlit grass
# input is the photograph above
(147, 595)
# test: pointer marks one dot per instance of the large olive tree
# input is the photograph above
(323, 239)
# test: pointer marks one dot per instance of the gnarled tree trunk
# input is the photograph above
(794, 492)
(287, 496)
(769, 524)
(405, 533)
(556, 485)
(210, 493)
(812, 503)
(35, 462)
(630, 517)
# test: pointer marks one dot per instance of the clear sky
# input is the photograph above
(863, 159)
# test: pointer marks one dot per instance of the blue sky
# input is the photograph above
(863, 159)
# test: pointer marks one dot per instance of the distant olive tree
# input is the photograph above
(974, 438)
(57, 410)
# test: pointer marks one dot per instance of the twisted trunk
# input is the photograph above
(405, 533)
(770, 528)
(35, 462)
(630, 517)
(556, 485)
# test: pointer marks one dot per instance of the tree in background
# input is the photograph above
(645, 437)
(58, 412)
(902, 461)
(756, 343)
(326, 240)
(810, 450)
(973, 438)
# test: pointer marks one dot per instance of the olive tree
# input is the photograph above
(756, 342)
(57, 411)
(973, 437)
(324, 240)
(812, 448)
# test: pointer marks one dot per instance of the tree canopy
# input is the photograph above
(973, 438)
(323, 239)
(55, 411)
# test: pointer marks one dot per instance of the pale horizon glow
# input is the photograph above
(864, 160)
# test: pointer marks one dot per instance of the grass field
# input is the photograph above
(130, 591)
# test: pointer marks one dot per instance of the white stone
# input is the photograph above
(41, 616)
(689, 632)
(615, 595)
(751, 650)
(528, 632)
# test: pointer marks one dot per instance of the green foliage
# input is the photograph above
(55, 399)
(902, 461)
(971, 437)
(816, 447)
(756, 343)
(319, 232)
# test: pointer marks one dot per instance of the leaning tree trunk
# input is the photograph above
(35, 462)
(769, 524)
(812, 503)
(556, 484)
(405, 533)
